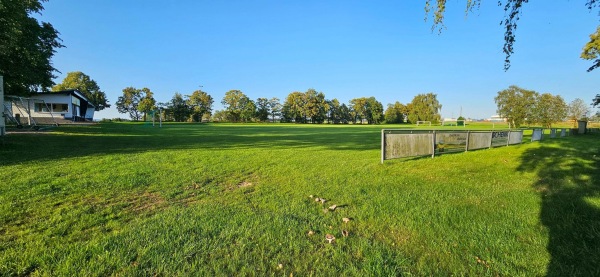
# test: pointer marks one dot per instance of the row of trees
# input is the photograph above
(299, 107)
(138, 103)
(521, 106)
(313, 107)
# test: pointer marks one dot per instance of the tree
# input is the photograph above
(26, 47)
(275, 108)
(549, 109)
(374, 111)
(293, 107)
(129, 101)
(262, 109)
(236, 103)
(591, 50)
(345, 114)
(359, 108)
(200, 103)
(512, 13)
(425, 107)
(147, 102)
(516, 104)
(87, 86)
(315, 106)
(395, 113)
(219, 116)
(578, 109)
(249, 111)
(136, 102)
(178, 108)
(334, 113)
(596, 101)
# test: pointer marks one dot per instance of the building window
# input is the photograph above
(54, 108)
(41, 107)
(60, 108)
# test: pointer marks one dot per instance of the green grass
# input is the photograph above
(225, 199)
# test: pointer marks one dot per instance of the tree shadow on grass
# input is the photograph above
(568, 182)
(68, 142)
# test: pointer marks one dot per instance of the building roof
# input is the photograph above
(69, 92)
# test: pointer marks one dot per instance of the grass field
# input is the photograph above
(223, 200)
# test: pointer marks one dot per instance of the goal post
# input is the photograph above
(421, 122)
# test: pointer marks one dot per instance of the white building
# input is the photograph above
(68, 105)
(497, 118)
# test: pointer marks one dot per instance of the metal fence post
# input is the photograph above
(467, 143)
(382, 145)
(433, 144)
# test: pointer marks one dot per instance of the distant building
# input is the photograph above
(497, 118)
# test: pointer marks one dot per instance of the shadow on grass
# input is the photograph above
(568, 173)
(73, 141)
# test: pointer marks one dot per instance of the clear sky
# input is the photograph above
(345, 49)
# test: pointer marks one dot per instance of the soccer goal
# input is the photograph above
(154, 114)
(419, 123)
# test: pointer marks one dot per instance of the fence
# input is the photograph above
(538, 134)
(411, 143)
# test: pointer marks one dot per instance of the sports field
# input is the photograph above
(233, 200)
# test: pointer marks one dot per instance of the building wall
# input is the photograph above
(89, 114)
(49, 99)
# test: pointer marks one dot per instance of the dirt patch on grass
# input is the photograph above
(145, 202)
(245, 184)
(395, 236)
(134, 203)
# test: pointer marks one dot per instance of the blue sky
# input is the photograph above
(345, 49)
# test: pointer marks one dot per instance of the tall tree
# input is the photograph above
(275, 108)
(315, 106)
(512, 14)
(262, 109)
(248, 112)
(236, 103)
(578, 109)
(359, 108)
(293, 107)
(129, 101)
(549, 109)
(334, 114)
(200, 103)
(395, 113)
(86, 85)
(516, 105)
(425, 107)
(147, 102)
(374, 111)
(346, 114)
(26, 47)
(178, 108)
